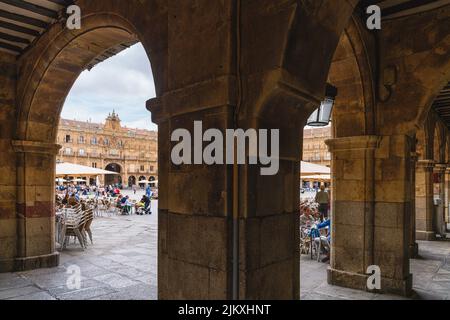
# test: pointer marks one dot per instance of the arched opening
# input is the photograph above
(143, 183)
(114, 179)
(42, 92)
(131, 181)
(338, 147)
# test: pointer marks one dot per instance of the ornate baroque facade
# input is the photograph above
(314, 148)
(131, 152)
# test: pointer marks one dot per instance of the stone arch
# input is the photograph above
(414, 70)
(447, 147)
(354, 113)
(439, 144)
(420, 144)
(298, 68)
(131, 181)
(49, 69)
(112, 179)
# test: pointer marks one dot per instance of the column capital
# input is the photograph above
(23, 146)
(414, 156)
(353, 143)
(425, 164)
(440, 167)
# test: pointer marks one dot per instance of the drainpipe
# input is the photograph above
(235, 217)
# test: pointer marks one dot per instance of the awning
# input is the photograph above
(317, 177)
(308, 169)
(70, 169)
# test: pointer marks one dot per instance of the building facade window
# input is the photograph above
(94, 164)
(81, 152)
(81, 140)
(68, 139)
(68, 151)
(94, 141)
(142, 168)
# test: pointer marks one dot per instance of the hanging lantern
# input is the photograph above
(321, 117)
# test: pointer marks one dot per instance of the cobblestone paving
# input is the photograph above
(122, 265)
(431, 277)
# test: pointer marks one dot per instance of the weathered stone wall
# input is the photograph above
(413, 68)
(8, 222)
(247, 64)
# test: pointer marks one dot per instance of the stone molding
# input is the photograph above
(414, 156)
(425, 164)
(194, 97)
(22, 146)
(353, 143)
(440, 168)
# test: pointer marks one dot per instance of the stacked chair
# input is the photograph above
(75, 223)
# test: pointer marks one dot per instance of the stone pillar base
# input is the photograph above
(30, 263)
(425, 235)
(359, 282)
(413, 250)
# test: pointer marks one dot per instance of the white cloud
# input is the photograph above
(123, 82)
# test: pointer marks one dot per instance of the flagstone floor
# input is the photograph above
(121, 264)
(431, 277)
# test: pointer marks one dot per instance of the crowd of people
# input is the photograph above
(315, 222)
(72, 195)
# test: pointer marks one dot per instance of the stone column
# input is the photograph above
(424, 200)
(439, 213)
(8, 219)
(371, 218)
(393, 212)
(36, 214)
(447, 195)
(413, 246)
(352, 219)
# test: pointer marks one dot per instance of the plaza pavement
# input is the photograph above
(122, 264)
(431, 277)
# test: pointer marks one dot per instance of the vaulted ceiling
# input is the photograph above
(23, 21)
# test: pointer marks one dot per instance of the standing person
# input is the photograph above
(148, 191)
(323, 199)
(134, 189)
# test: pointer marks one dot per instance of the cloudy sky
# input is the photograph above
(123, 82)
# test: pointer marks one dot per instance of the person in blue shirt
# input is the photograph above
(148, 191)
(325, 241)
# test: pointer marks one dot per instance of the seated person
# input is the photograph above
(141, 203)
(306, 219)
(72, 201)
(325, 240)
(125, 204)
(65, 200)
